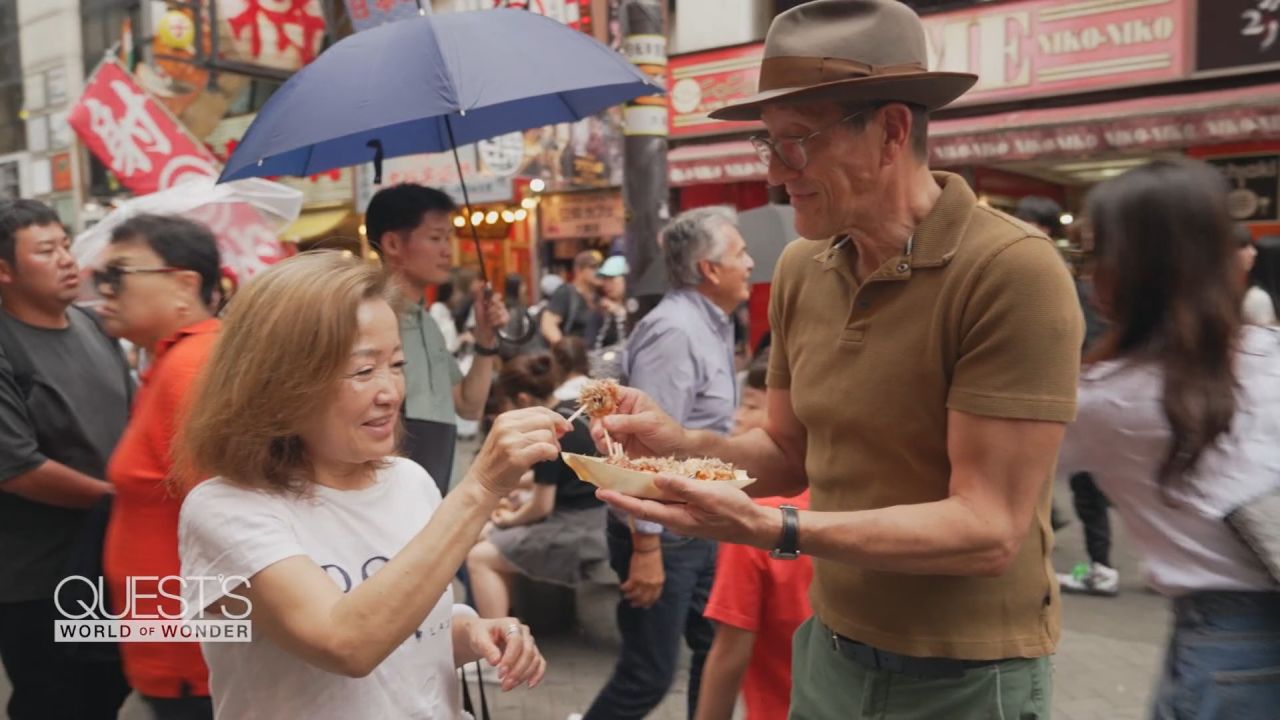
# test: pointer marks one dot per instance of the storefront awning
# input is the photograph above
(314, 224)
(1145, 124)
(722, 162)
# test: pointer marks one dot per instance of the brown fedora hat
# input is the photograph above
(848, 50)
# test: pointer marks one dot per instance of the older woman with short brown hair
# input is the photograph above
(340, 553)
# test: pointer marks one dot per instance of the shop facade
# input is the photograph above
(1070, 94)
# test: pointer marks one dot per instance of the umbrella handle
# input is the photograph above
(526, 328)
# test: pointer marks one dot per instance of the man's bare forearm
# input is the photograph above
(947, 537)
(777, 472)
(53, 483)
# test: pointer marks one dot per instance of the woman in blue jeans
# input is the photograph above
(1179, 421)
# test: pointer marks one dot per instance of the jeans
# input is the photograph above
(651, 636)
(1091, 506)
(47, 683)
(1223, 661)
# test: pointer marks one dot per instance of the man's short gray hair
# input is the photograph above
(693, 236)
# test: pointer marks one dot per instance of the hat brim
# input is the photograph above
(930, 90)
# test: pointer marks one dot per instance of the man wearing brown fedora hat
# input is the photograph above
(923, 370)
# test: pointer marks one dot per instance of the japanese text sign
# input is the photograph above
(134, 136)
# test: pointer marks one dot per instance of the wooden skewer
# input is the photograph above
(615, 449)
(581, 409)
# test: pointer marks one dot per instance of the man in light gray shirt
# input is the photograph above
(681, 355)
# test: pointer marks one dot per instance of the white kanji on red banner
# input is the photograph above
(133, 135)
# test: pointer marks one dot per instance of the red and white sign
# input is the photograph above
(1017, 49)
(247, 243)
(134, 136)
(1046, 47)
(1175, 121)
(724, 162)
(281, 34)
(702, 82)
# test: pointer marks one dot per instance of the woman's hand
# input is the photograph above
(506, 644)
(519, 440)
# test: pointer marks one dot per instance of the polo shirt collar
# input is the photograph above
(936, 238)
(204, 327)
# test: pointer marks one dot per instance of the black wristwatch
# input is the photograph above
(483, 351)
(789, 543)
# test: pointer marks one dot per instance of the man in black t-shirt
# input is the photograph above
(571, 305)
(64, 402)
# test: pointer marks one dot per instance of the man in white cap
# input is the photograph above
(924, 365)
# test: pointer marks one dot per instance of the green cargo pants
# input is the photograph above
(826, 685)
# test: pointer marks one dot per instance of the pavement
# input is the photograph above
(1105, 667)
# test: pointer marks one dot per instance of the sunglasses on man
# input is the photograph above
(111, 277)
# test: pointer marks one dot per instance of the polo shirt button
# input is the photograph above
(903, 267)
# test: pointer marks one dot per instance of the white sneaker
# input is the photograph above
(1091, 579)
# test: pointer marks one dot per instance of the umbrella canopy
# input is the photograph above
(767, 229)
(245, 216)
(421, 84)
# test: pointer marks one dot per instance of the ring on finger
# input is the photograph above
(513, 629)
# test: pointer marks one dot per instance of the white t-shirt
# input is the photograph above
(1258, 309)
(1121, 436)
(570, 389)
(229, 530)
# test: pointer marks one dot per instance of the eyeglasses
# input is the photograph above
(790, 150)
(112, 276)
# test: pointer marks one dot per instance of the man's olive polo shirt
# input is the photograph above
(980, 317)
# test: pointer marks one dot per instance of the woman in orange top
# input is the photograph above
(159, 279)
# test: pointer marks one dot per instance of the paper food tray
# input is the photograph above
(629, 482)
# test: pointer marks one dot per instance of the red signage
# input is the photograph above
(1017, 49)
(725, 162)
(1046, 47)
(1168, 122)
(134, 136)
(60, 170)
(707, 81)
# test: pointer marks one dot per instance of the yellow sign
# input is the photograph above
(177, 31)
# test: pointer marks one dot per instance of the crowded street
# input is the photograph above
(1110, 650)
(626, 359)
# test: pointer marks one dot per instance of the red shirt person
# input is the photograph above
(757, 603)
(158, 278)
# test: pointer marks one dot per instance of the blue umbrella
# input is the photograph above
(427, 84)
(431, 83)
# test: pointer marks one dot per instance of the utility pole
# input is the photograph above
(644, 184)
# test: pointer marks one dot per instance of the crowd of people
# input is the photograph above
(933, 365)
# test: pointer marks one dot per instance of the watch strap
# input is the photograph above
(789, 541)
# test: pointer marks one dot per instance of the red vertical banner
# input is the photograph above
(134, 136)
